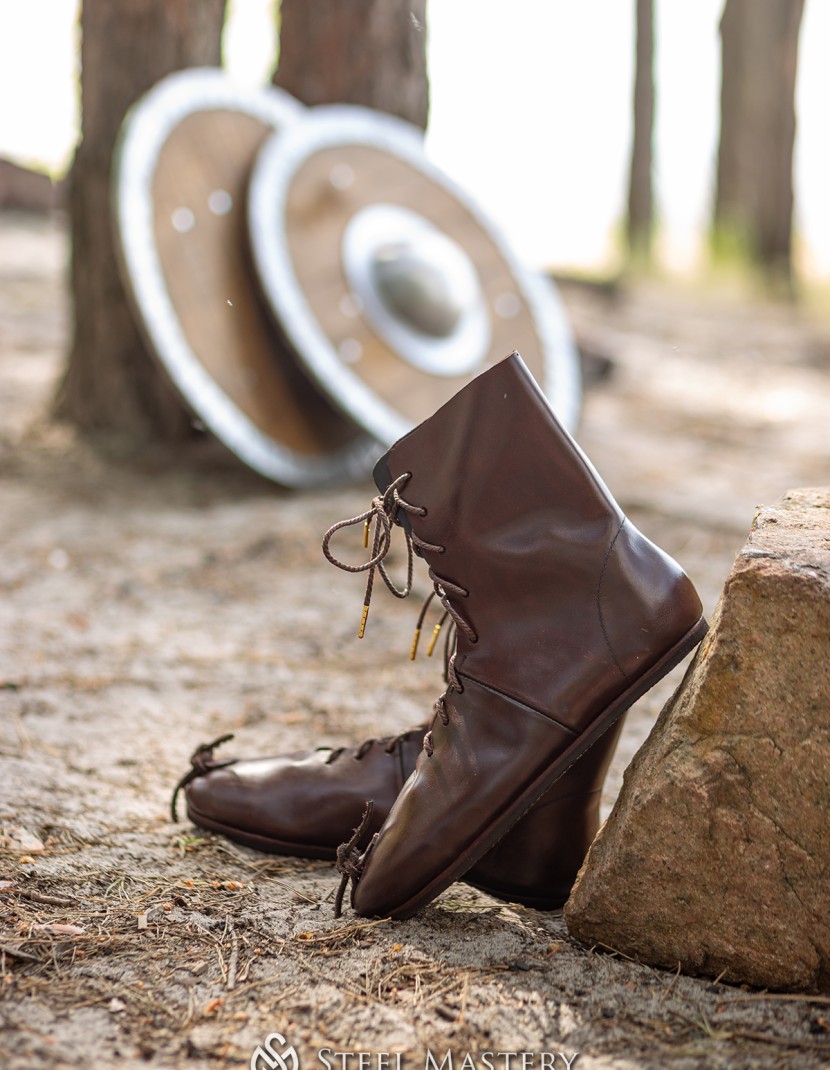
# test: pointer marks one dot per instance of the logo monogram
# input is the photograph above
(266, 1055)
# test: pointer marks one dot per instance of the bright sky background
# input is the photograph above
(531, 106)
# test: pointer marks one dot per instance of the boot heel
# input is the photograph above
(640, 687)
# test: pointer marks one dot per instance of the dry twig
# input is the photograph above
(233, 961)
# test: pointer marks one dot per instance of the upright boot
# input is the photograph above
(566, 615)
(307, 803)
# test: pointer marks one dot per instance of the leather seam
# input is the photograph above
(518, 702)
(604, 630)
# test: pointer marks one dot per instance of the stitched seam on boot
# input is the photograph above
(599, 598)
(519, 702)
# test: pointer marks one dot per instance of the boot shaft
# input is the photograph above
(564, 597)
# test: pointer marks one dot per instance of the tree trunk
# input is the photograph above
(754, 196)
(640, 219)
(111, 381)
(369, 52)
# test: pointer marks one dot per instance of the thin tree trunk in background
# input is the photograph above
(368, 52)
(754, 197)
(640, 218)
(111, 381)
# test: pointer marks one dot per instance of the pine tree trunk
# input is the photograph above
(111, 380)
(754, 197)
(369, 52)
(640, 220)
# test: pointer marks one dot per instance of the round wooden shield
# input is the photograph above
(392, 286)
(181, 176)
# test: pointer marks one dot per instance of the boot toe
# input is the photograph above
(302, 804)
(259, 802)
(223, 798)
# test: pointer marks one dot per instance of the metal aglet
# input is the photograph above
(436, 631)
(367, 524)
(363, 617)
(413, 650)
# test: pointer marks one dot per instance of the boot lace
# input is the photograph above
(350, 859)
(380, 517)
(202, 762)
(389, 744)
(440, 707)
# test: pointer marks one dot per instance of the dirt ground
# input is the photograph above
(151, 602)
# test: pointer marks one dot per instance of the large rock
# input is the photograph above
(717, 853)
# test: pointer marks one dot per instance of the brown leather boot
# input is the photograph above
(307, 803)
(566, 615)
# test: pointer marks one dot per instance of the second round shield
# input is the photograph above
(392, 286)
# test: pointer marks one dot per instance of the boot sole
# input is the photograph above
(540, 902)
(268, 845)
(261, 843)
(469, 856)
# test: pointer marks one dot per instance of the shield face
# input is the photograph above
(182, 172)
(391, 286)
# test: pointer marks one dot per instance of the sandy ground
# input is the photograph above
(150, 602)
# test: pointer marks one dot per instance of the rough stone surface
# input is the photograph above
(716, 855)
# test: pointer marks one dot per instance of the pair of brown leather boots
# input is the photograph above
(564, 616)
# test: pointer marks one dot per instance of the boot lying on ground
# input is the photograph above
(565, 613)
(306, 804)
